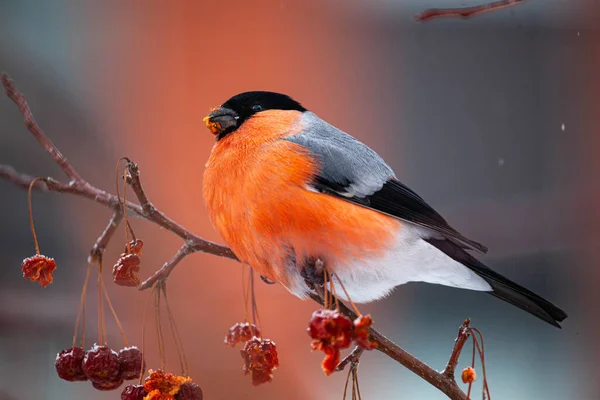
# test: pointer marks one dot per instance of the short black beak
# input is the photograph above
(220, 120)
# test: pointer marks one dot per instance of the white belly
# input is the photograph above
(411, 259)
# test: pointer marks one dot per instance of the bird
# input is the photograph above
(292, 195)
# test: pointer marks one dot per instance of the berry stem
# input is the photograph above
(144, 333)
(176, 335)
(159, 332)
(113, 312)
(81, 312)
(348, 296)
(255, 316)
(123, 204)
(99, 311)
(101, 304)
(245, 291)
(35, 241)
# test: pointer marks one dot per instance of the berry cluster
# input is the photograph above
(125, 271)
(38, 268)
(163, 386)
(259, 355)
(331, 332)
(105, 368)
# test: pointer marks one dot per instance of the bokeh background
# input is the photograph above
(494, 121)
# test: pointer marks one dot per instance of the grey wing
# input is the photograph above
(352, 168)
(352, 171)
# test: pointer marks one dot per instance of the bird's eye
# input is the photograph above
(257, 108)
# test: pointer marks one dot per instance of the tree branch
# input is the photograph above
(465, 12)
(107, 234)
(163, 273)
(78, 186)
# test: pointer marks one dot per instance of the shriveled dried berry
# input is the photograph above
(101, 365)
(131, 360)
(330, 331)
(125, 271)
(260, 359)
(134, 392)
(68, 364)
(329, 328)
(468, 375)
(331, 360)
(108, 385)
(159, 383)
(135, 247)
(39, 269)
(189, 391)
(361, 332)
(240, 333)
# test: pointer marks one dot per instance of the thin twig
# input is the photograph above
(353, 357)
(36, 131)
(461, 339)
(465, 12)
(102, 241)
(167, 267)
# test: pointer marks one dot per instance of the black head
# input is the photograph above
(235, 111)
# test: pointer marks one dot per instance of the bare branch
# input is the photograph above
(353, 358)
(78, 186)
(444, 383)
(463, 334)
(167, 267)
(37, 132)
(465, 12)
(107, 234)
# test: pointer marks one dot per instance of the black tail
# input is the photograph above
(503, 288)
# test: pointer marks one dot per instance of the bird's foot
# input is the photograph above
(312, 272)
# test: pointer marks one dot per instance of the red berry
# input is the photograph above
(329, 328)
(131, 360)
(133, 392)
(39, 269)
(189, 391)
(331, 361)
(260, 359)
(125, 271)
(135, 247)
(108, 385)
(68, 364)
(468, 375)
(361, 332)
(240, 333)
(101, 365)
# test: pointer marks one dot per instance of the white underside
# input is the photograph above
(411, 259)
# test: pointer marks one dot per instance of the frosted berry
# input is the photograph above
(39, 269)
(329, 328)
(240, 333)
(68, 364)
(131, 360)
(101, 365)
(260, 359)
(133, 392)
(189, 391)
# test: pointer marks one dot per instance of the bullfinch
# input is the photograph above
(284, 189)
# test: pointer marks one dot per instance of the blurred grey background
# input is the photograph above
(492, 120)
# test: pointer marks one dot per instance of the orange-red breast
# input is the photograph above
(284, 188)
